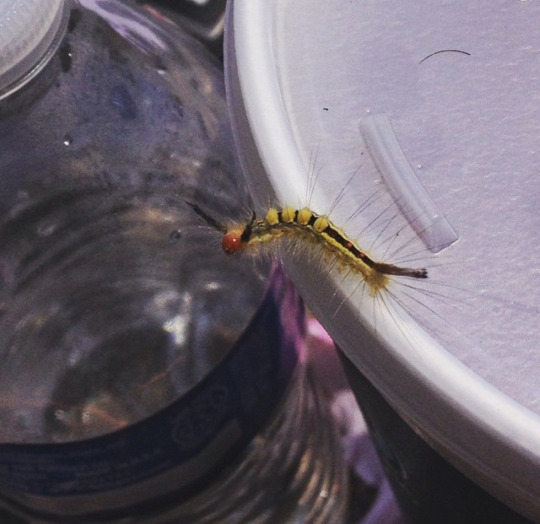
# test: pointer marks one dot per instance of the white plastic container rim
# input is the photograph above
(487, 434)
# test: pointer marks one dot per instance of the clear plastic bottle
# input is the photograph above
(145, 377)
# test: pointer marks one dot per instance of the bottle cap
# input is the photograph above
(28, 30)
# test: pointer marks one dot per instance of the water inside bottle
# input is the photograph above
(107, 320)
(114, 299)
(98, 154)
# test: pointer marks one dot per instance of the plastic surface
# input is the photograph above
(98, 155)
(28, 29)
(131, 388)
(458, 358)
(182, 447)
(113, 302)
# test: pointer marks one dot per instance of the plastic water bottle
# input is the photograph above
(145, 377)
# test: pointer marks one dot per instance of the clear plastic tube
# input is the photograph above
(402, 182)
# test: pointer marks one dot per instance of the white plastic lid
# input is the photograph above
(329, 98)
(28, 29)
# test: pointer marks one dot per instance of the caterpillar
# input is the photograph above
(308, 225)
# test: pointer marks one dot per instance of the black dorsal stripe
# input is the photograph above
(348, 245)
(336, 235)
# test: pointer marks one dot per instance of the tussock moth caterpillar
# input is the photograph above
(306, 224)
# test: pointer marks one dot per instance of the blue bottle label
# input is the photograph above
(178, 449)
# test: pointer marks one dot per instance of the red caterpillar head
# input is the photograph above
(232, 241)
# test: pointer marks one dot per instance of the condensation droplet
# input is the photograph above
(46, 228)
(175, 236)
